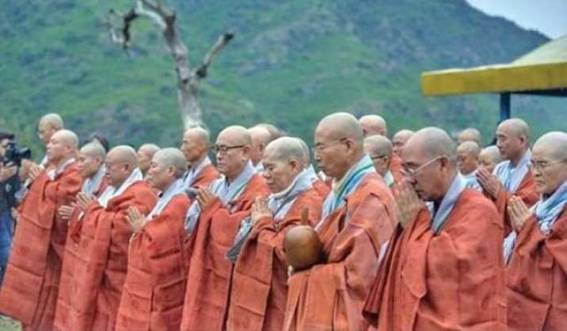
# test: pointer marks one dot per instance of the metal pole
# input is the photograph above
(504, 106)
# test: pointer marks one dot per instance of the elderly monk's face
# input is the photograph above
(549, 172)
(424, 173)
(57, 149)
(379, 159)
(192, 147)
(398, 143)
(160, 176)
(87, 164)
(144, 160)
(117, 171)
(486, 162)
(279, 174)
(509, 144)
(332, 152)
(44, 132)
(232, 154)
(466, 162)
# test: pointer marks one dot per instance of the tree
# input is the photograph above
(188, 78)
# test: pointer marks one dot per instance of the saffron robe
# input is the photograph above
(537, 278)
(452, 280)
(103, 259)
(210, 272)
(31, 282)
(330, 295)
(259, 283)
(152, 297)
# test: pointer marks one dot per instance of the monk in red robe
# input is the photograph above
(398, 141)
(380, 151)
(537, 272)
(443, 269)
(356, 222)
(100, 271)
(31, 283)
(319, 185)
(259, 283)
(195, 147)
(90, 165)
(513, 177)
(152, 298)
(214, 222)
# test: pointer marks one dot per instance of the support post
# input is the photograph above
(504, 106)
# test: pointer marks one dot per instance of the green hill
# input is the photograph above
(290, 63)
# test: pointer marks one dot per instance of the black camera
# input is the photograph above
(15, 155)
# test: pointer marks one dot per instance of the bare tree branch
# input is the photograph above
(188, 80)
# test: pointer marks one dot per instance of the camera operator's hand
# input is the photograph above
(7, 172)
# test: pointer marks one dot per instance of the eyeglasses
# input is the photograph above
(321, 147)
(378, 157)
(412, 172)
(223, 148)
(543, 165)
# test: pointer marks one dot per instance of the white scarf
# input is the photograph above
(175, 188)
(112, 192)
(511, 176)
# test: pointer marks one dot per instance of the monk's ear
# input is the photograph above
(295, 164)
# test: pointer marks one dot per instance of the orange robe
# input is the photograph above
(453, 280)
(537, 278)
(330, 296)
(205, 176)
(210, 272)
(70, 259)
(526, 191)
(102, 260)
(31, 283)
(259, 283)
(152, 298)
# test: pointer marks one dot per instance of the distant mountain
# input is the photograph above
(290, 63)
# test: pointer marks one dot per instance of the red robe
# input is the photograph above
(537, 278)
(259, 282)
(453, 280)
(330, 295)
(321, 188)
(205, 176)
(152, 298)
(210, 272)
(526, 191)
(31, 282)
(70, 259)
(103, 258)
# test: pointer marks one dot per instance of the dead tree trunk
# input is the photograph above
(188, 78)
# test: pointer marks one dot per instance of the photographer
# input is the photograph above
(9, 185)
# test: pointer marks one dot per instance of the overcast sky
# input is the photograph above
(546, 16)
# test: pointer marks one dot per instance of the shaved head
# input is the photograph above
(91, 157)
(53, 120)
(549, 162)
(554, 144)
(68, 138)
(380, 150)
(124, 154)
(260, 138)
(195, 145)
(283, 160)
(94, 149)
(62, 146)
(121, 161)
(373, 125)
(516, 126)
(338, 144)
(434, 142)
(469, 134)
(171, 157)
(512, 139)
(400, 139)
(469, 147)
(233, 151)
(145, 154)
(489, 157)
(198, 133)
(275, 133)
(306, 153)
(239, 134)
(467, 157)
(285, 149)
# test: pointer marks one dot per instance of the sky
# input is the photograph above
(546, 16)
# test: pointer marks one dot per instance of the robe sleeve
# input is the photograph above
(556, 242)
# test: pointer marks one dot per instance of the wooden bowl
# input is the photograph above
(303, 247)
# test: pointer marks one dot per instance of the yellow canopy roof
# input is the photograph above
(544, 68)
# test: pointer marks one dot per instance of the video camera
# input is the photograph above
(14, 155)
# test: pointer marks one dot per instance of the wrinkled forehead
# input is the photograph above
(546, 152)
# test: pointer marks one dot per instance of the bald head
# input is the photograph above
(549, 162)
(171, 157)
(469, 134)
(512, 139)
(121, 161)
(239, 134)
(286, 149)
(48, 125)
(379, 148)
(433, 142)
(515, 126)
(489, 157)
(467, 157)
(94, 149)
(400, 139)
(275, 133)
(195, 145)
(233, 151)
(91, 157)
(62, 146)
(260, 138)
(554, 145)
(373, 125)
(145, 154)
(306, 152)
(342, 125)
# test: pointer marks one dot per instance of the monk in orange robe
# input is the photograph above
(259, 283)
(90, 165)
(214, 222)
(398, 141)
(537, 272)
(100, 271)
(319, 185)
(356, 222)
(513, 177)
(443, 269)
(152, 298)
(31, 283)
